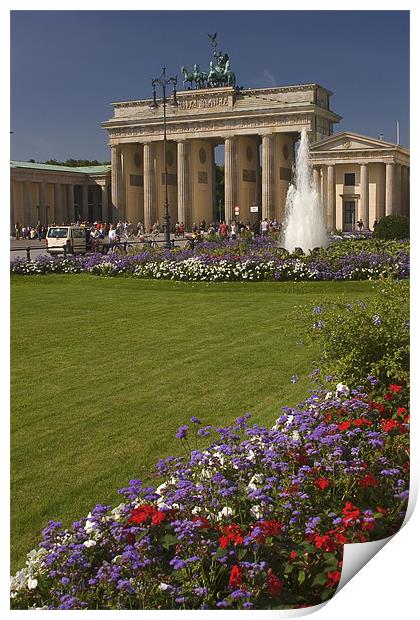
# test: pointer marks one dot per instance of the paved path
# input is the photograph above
(18, 248)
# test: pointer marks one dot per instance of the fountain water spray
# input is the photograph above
(304, 226)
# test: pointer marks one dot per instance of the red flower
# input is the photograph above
(388, 425)
(362, 422)
(339, 537)
(389, 396)
(235, 578)
(322, 483)
(231, 534)
(351, 513)
(333, 578)
(401, 411)
(141, 514)
(344, 426)
(378, 406)
(158, 517)
(368, 481)
(324, 542)
(368, 526)
(395, 388)
(274, 584)
(204, 523)
(293, 555)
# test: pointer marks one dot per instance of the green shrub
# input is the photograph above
(368, 338)
(372, 246)
(392, 227)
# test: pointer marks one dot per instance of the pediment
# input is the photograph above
(347, 141)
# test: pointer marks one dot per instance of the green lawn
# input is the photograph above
(105, 370)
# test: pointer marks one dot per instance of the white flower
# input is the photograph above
(259, 478)
(256, 512)
(89, 525)
(342, 390)
(32, 583)
(89, 543)
(225, 512)
(118, 510)
(328, 395)
(163, 586)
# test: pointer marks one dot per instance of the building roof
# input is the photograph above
(348, 140)
(58, 168)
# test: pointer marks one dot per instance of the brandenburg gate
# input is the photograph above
(240, 119)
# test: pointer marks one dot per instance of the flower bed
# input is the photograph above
(229, 261)
(257, 519)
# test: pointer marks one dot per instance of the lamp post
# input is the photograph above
(163, 81)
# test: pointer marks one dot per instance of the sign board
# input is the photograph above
(236, 210)
(254, 209)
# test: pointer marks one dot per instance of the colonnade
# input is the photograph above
(380, 189)
(57, 202)
(193, 173)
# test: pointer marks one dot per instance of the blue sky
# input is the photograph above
(68, 66)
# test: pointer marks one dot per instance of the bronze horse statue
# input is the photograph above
(188, 77)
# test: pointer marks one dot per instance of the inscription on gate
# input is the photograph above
(207, 102)
(202, 176)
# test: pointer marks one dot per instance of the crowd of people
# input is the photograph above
(235, 229)
(125, 230)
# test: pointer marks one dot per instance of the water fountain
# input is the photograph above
(304, 226)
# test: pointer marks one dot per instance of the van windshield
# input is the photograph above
(57, 233)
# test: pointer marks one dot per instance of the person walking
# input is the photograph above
(17, 231)
(265, 227)
(223, 229)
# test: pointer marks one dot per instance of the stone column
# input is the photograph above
(267, 177)
(363, 213)
(58, 204)
(149, 186)
(183, 184)
(43, 202)
(331, 216)
(397, 189)
(317, 180)
(323, 193)
(84, 211)
(404, 191)
(70, 203)
(95, 212)
(104, 208)
(389, 189)
(27, 211)
(12, 209)
(230, 178)
(116, 183)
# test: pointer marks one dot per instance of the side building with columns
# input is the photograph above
(360, 178)
(58, 194)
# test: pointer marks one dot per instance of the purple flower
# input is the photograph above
(182, 432)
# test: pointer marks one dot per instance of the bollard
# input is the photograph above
(28, 253)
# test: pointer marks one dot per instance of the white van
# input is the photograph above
(74, 239)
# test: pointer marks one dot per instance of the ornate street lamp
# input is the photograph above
(163, 81)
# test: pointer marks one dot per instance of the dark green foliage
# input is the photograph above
(392, 227)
